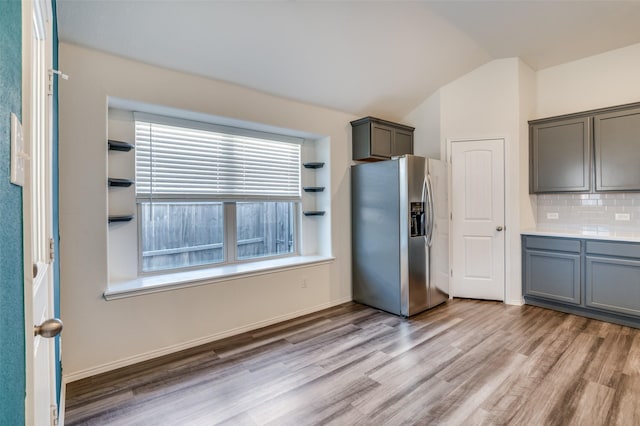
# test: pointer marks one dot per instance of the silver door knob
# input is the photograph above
(499, 228)
(50, 328)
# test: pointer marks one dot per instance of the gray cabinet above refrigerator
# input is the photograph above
(376, 139)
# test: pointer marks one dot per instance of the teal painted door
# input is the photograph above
(12, 339)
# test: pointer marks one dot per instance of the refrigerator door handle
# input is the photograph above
(431, 211)
(424, 200)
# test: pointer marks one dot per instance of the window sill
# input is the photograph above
(173, 281)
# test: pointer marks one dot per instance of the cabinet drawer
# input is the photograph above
(553, 275)
(549, 243)
(613, 284)
(613, 249)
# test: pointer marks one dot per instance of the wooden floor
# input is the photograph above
(463, 363)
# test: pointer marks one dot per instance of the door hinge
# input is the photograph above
(52, 250)
(54, 415)
(452, 272)
(53, 72)
(50, 83)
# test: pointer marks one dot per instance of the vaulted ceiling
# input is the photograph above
(367, 58)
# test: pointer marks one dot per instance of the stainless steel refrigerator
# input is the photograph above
(400, 234)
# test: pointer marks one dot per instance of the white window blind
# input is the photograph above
(181, 162)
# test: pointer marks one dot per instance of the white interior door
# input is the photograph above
(477, 208)
(40, 402)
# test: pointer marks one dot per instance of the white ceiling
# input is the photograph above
(378, 58)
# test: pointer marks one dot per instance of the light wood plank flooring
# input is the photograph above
(467, 362)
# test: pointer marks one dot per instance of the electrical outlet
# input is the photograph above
(623, 216)
(553, 215)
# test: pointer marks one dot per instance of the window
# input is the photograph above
(181, 234)
(209, 195)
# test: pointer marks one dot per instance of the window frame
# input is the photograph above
(230, 236)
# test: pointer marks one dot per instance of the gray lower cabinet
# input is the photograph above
(613, 277)
(561, 156)
(593, 278)
(617, 150)
(553, 275)
(376, 139)
(552, 268)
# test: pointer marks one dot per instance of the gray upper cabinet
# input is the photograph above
(596, 150)
(617, 150)
(560, 156)
(375, 139)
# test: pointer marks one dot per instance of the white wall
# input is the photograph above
(483, 103)
(527, 109)
(608, 79)
(426, 119)
(101, 335)
(486, 104)
(494, 100)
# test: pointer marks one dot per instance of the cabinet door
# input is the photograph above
(613, 284)
(560, 156)
(552, 275)
(617, 150)
(402, 142)
(381, 138)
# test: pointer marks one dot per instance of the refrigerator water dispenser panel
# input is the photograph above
(417, 219)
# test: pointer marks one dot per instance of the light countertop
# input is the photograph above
(586, 232)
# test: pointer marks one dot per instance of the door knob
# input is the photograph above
(499, 228)
(50, 328)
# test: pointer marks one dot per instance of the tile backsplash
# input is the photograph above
(596, 211)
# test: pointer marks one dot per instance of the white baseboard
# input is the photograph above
(515, 302)
(72, 377)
